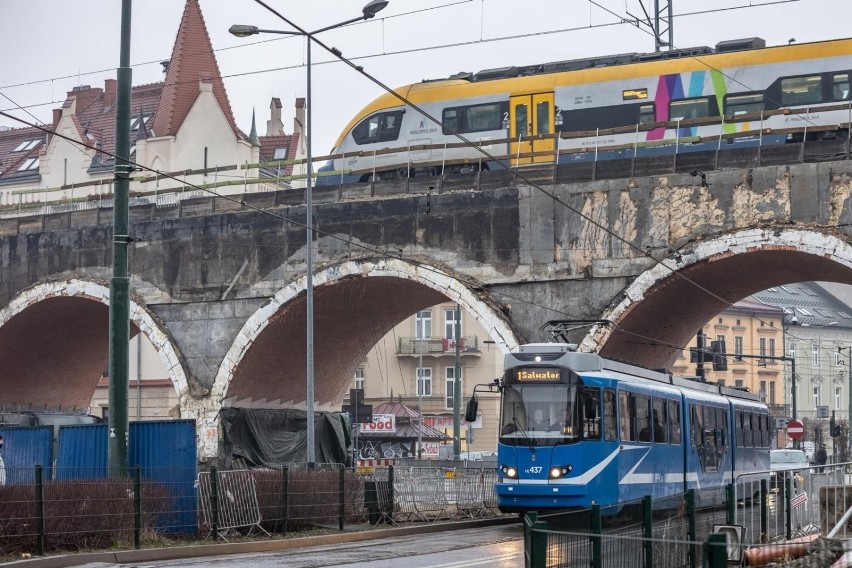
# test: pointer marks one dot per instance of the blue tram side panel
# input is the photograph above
(578, 430)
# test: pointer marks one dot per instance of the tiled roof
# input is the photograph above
(812, 304)
(268, 145)
(12, 160)
(192, 61)
(97, 121)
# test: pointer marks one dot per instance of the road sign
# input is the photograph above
(795, 429)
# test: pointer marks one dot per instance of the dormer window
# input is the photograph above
(27, 145)
(134, 121)
(280, 153)
(29, 164)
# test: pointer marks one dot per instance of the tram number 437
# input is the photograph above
(534, 469)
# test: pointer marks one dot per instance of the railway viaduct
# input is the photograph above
(219, 285)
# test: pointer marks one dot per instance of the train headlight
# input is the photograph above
(509, 471)
(560, 471)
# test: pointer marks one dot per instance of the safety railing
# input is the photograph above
(584, 150)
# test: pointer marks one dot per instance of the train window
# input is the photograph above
(674, 421)
(450, 120)
(381, 127)
(840, 86)
(609, 415)
(542, 117)
(742, 104)
(590, 413)
(659, 421)
(647, 113)
(801, 90)
(643, 417)
(474, 118)
(626, 417)
(521, 120)
(686, 109)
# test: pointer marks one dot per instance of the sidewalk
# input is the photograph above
(200, 550)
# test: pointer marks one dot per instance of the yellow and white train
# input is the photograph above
(623, 106)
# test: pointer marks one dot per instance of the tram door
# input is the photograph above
(529, 117)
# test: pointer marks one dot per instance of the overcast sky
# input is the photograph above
(57, 44)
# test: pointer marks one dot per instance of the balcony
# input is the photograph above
(437, 346)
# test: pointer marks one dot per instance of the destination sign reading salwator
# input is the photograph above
(537, 374)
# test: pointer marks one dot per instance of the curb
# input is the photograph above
(178, 552)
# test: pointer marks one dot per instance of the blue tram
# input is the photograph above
(577, 429)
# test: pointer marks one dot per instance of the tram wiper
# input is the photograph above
(523, 432)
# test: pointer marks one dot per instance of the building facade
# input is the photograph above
(416, 361)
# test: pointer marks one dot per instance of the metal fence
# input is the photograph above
(765, 515)
(69, 512)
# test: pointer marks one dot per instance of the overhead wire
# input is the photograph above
(383, 253)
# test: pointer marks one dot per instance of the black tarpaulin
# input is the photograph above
(267, 437)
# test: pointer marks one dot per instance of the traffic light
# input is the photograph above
(720, 362)
(833, 427)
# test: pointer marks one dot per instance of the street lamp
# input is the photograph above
(849, 388)
(785, 321)
(370, 9)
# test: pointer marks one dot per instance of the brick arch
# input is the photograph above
(659, 312)
(355, 304)
(54, 344)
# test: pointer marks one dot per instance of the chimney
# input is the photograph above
(274, 126)
(85, 96)
(57, 116)
(299, 121)
(109, 92)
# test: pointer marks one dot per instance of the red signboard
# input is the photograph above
(795, 429)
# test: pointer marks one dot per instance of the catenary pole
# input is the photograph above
(457, 389)
(119, 290)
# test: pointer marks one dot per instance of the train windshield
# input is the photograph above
(539, 415)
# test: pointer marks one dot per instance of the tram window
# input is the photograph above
(840, 86)
(659, 421)
(697, 425)
(450, 120)
(647, 114)
(674, 421)
(542, 116)
(589, 407)
(748, 438)
(722, 426)
(610, 428)
(686, 109)
(742, 104)
(739, 427)
(626, 417)
(801, 90)
(643, 417)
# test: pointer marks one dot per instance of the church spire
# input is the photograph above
(253, 134)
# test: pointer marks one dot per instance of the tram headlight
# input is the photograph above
(560, 471)
(509, 471)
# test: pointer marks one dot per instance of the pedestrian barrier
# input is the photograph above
(229, 500)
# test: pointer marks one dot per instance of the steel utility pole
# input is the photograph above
(457, 389)
(119, 288)
(849, 387)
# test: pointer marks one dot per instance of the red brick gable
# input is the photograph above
(192, 61)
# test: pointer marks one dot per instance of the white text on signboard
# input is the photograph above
(380, 423)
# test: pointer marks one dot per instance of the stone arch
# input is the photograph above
(726, 268)
(90, 291)
(437, 283)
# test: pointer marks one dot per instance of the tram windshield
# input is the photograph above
(540, 415)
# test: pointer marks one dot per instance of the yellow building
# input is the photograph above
(393, 366)
(749, 328)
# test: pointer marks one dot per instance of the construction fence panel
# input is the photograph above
(236, 499)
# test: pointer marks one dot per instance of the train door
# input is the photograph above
(531, 116)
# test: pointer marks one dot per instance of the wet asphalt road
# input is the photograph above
(498, 547)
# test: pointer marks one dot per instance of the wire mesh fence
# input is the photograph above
(56, 510)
